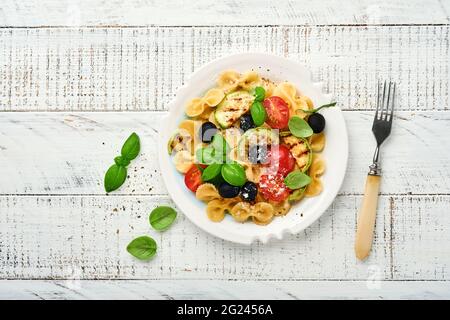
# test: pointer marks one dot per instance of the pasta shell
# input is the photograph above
(229, 203)
(195, 107)
(288, 93)
(215, 210)
(241, 211)
(206, 113)
(249, 80)
(317, 142)
(189, 126)
(181, 140)
(207, 192)
(299, 108)
(309, 102)
(262, 211)
(213, 97)
(183, 161)
(228, 80)
(315, 171)
(268, 86)
(252, 172)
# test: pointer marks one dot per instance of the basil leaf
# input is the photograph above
(299, 127)
(115, 177)
(142, 248)
(212, 171)
(121, 161)
(131, 147)
(296, 180)
(258, 113)
(259, 94)
(199, 168)
(162, 217)
(321, 107)
(205, 155)
(220, 145)
(234, 174)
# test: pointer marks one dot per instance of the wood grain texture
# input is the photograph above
(225, 12)
(140, 68)
(68, 153)
(220, 289)
(56, 223)
(85, 237)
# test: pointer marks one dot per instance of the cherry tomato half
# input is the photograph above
(193, 178)
(280, 160)
(273, 188)
(277, 112)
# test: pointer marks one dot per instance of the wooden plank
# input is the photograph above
(226, 12)
(85, 237)
(219, 289)
(136, 69)
(419, 240)
(68, 153)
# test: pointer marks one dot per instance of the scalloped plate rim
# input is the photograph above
(211, 227)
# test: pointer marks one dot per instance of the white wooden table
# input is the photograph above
(77, 77)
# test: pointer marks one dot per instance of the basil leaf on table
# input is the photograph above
(115, 177)
(234, 174)
(142, 248)
(211, 171)
(121, 161)
(258, 113)
(131, 147)
(299, 127)
(162, 217)
(296, 180)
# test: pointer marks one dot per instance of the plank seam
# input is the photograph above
(360, 25)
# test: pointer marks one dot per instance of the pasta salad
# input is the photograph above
(250, 148)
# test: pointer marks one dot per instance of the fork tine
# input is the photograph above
(388, 101)
(383, 99)
(378, 99)
(393, 103)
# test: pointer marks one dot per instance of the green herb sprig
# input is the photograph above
(257, 110)
(116, 174)
(328, 105)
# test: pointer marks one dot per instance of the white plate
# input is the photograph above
(335, 153)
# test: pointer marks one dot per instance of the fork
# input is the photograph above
(381, 129)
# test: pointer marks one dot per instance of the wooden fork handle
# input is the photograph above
(367, 216)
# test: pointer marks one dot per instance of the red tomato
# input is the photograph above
(277, 112)
(193, 178)
(273, 188)
(280, 160)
